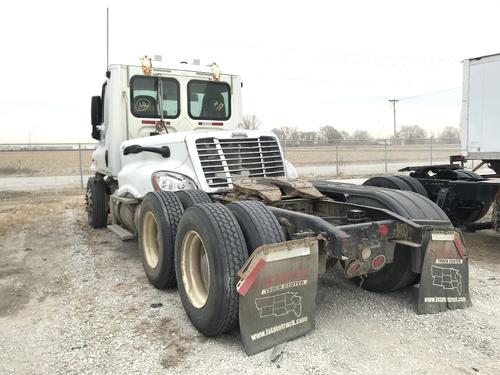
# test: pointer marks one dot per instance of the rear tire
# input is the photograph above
(390, 182)
(189, 198)
(209, 251)
(415, 185)
(158, 220)
(393, 276)
(96, 202)
(470, 216)
(259, 225)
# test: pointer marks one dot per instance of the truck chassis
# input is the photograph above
(218, 212)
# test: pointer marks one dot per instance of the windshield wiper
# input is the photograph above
(135, 149)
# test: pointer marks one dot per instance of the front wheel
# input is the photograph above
(209, 251)
(96, 202)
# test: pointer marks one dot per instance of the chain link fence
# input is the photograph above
(336, 158)
(46, 159)
(345, 158)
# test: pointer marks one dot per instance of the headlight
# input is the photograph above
(290, 170)
(171, 181)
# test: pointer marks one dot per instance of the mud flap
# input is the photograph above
(444, 283)
(277, 290)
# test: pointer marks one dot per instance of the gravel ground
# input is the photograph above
(76, 300)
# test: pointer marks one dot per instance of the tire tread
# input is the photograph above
(233, 250)
(415, 185)
(261, 218)
(99, 207)
(233, 241)
(189, 198)
(172, 209)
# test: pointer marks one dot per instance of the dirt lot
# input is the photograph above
(57, 163)
(75, 300)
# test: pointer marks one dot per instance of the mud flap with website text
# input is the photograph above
(277, 291)
(444, 283)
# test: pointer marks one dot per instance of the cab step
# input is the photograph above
(121, 232)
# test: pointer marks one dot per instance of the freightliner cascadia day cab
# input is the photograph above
(220, 214)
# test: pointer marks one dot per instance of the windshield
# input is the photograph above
(209, 100)
(144, 97)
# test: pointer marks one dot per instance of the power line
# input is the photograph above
(431, 93)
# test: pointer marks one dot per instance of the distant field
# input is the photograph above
(56, 163)
(43, 163)
(323, 155)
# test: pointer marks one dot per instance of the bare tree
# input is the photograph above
(329, 133)
(345, 135)
(250, 122)
(450, 135)
(412, 134)
(309, 137)
(284, 133)
(361, 135)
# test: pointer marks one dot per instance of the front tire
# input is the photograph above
(158, 220)
(209, 251)
(96, 202)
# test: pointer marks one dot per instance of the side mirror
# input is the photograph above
(96, 116)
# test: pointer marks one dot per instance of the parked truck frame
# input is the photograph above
(218, 212)
(464, 195)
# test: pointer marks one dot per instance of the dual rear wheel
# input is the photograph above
(200, 246)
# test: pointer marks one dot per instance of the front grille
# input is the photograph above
(224, 159)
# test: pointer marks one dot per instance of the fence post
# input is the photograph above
(385, 156)
(81, 168)
(431, 149)
(337, 157)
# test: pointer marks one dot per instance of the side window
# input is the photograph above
(209, 100)
(144, 97)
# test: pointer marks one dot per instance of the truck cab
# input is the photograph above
(195, 112)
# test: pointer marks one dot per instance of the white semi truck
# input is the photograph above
(219, 213)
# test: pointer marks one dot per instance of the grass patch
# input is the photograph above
(9, 171)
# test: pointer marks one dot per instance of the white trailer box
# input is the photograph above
(480, 120)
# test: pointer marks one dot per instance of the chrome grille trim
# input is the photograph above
(222, 159)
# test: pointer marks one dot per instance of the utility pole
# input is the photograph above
(394, 101)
